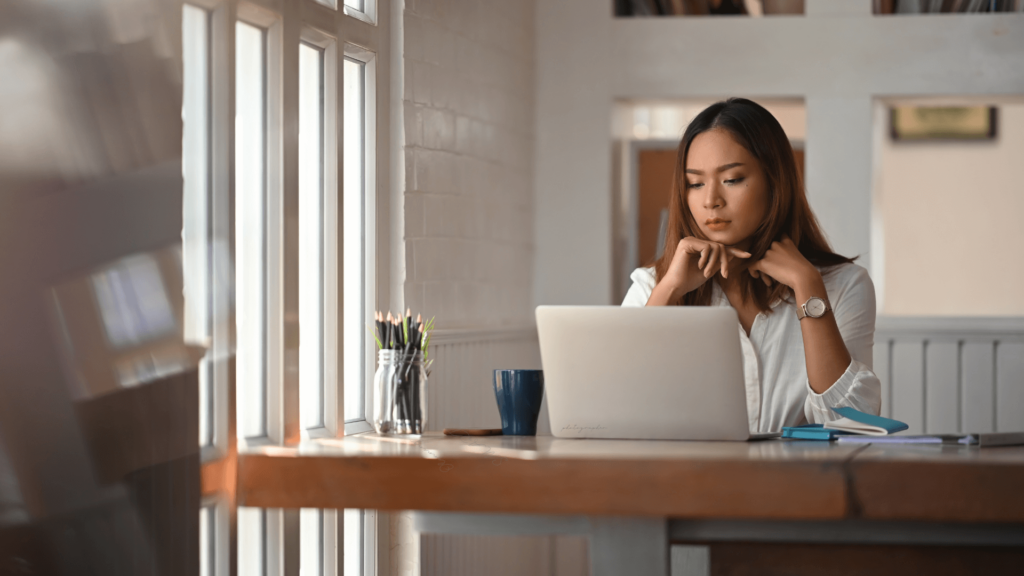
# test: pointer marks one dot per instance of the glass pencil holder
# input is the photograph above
(400, 393)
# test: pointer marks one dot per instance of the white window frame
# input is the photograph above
(275, 425)
(331, 369)
(355, 34)
(197, 240)
(368, 14)
(274, 345)
(215, 457)
(371, 254)
(220, 28)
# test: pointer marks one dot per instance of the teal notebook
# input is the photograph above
(851, 421)
(856, 422)
(811, 432)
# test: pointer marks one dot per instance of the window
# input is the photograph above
(318, 285)
(365, 10)
(259, 351)
(252, 541)
(280, 258)
(311, 561)
(250, 229)
(207, 541)
(355, 258)
(318, 251)
(311, 236)
(195, 160)
(355, 545)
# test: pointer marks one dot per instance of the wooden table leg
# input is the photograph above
(635, 546)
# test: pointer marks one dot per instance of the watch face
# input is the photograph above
(815, 307)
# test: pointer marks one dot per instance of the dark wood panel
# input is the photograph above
(166, 499)
(742, 559)
(141, 426)
(940, 491)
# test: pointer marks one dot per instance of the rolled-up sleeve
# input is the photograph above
(640, 292)
(857, 388)
(853, 303)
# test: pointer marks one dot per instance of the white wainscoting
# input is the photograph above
(949, 375)
(461, 395)
(460, 392)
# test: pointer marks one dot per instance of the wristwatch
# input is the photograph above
(814, 307)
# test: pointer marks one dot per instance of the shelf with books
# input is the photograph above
(755, 8)
(758, 8)
(915, 7)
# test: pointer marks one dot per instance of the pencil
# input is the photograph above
(379, 323)
(391, 335)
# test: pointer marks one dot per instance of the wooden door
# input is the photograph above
(655, 170)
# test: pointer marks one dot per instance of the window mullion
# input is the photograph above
(287, 75)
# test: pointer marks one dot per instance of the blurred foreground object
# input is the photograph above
(99, 452)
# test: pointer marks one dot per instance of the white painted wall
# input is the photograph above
(838, 59)
(468, 110)
(573, 212)
(667, 120)
(951, 216)
(469, 153)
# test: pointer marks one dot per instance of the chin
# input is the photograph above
(723, 237)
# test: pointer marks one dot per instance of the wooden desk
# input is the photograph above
(626, 488)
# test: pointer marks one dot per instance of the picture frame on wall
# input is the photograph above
(930, 123)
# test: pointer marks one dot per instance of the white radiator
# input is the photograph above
(460, 392)
(948, 375)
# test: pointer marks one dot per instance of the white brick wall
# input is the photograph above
(468, 105)
(469, 143)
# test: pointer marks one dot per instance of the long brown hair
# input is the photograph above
(789, 214)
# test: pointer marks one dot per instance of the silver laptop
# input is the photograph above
(659, 373)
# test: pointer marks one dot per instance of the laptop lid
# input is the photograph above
(669, 373)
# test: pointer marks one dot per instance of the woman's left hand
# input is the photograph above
(784, 263)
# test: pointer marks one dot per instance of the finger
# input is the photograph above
(725, 263)
(754, 269)
(710, 259)
(767, 280)
(692, 245)
(736, 252)
(704, 253)
(716, 255)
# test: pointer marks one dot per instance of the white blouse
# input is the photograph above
(778, 393)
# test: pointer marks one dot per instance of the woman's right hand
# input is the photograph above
(694, 263)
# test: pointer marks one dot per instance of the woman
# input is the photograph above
(742, 234)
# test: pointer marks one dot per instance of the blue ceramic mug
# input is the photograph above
(519, 394)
